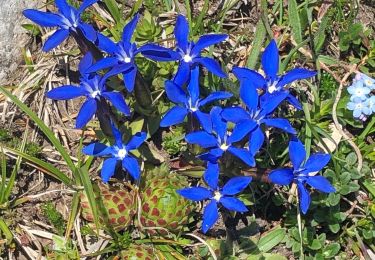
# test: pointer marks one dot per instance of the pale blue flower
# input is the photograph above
(370, 102)
(358, 91)
(359, 108)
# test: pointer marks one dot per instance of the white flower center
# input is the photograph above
(359, 105)
(127, 60)
(217, 196)
(121, 153)
(272, 88)
(188, 58)
(368, 82)
(95, 94)
(359, 92)
(224, 147)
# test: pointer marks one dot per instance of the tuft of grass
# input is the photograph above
(54, 217)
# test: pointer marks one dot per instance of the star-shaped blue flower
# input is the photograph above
(92, 86)
(303, 173)
(119, 152)
(359, 108)
(122, 54)
(220, 140)
(189, 53)
(272, 82)
(190, 102)
(358, 91)
(217, 195)
(258, 111)
(68, 19)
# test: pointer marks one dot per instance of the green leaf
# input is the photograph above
(321, 33)
(294, 20)
(370, 186)
(333, 199)
(259, 37)
(271, 239)
(331, 250)
(315, 245)
(6, 231)
(351, 159)
(334, 227)
(113, 10)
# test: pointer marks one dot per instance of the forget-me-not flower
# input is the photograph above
(92, 86)
(189, 102)
(220, 140)
(122, 54)
(370, 102)
(68, 20)
(358, 91)
(217, 195)
(367, 81)
(258, 111)
(272, 82)
(359, 108)
(189, 52)
(119, 152)
(303, 173)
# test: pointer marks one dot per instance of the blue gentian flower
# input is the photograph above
(92, 86)
(122, 54)
(68, 19)
(272, 82)
(189, 53)
(358, 91)
(217, 195)
(119, 152)
(190, 102)
(258, 111)
(303, 173)
(220, 140)
(359, 108)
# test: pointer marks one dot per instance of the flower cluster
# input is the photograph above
(362, 99)
(238, 130)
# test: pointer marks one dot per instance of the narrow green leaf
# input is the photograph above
(271, 239)
(294, 20)
(113, 10)
(5, 229)
(259, 38)
(45, 129)
(320, 35)
(72, 215)
(3, 177)
(370, 186)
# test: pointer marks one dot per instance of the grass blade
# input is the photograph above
(260, 36)
(294, 20)
(72, 215)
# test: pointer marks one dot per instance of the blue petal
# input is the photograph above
(256, 140)
(85, 63)
(117, 69)
(236, 185)
(42, 18)
(129, 29)
(181, 32)
(97, 149)
(212, 66)
(202, 138)
(117, 101)
(86, 4)
(270, 60)
(86, 112)
(295, 74)
(207, 40)
(195, 193)
(88, 31)
(233, 204)
(212, 156)
(64, 8)
(130, 164)
(210, 216)
(183, 73)
(129, 78)
(297, 152)
(55, 39)
(117, 135)
(66, 92)
(211, 175)
(106, 44)
(249, 94)
(175, 93)
(136, 141)
(316, 162)
(269, 102)
(320, 183)
(218, 95)
(158, 53)
(294, 102)
(175, 115)
(281, 176)
(243, 73)
(103, 64)
(193, 86)
(243, 154)
(280, 123)
(241, 130)
(218, 123)
(108, 169)
(304, 198)
(235, 114)
(204, 120)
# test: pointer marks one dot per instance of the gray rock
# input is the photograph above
(12, 36)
